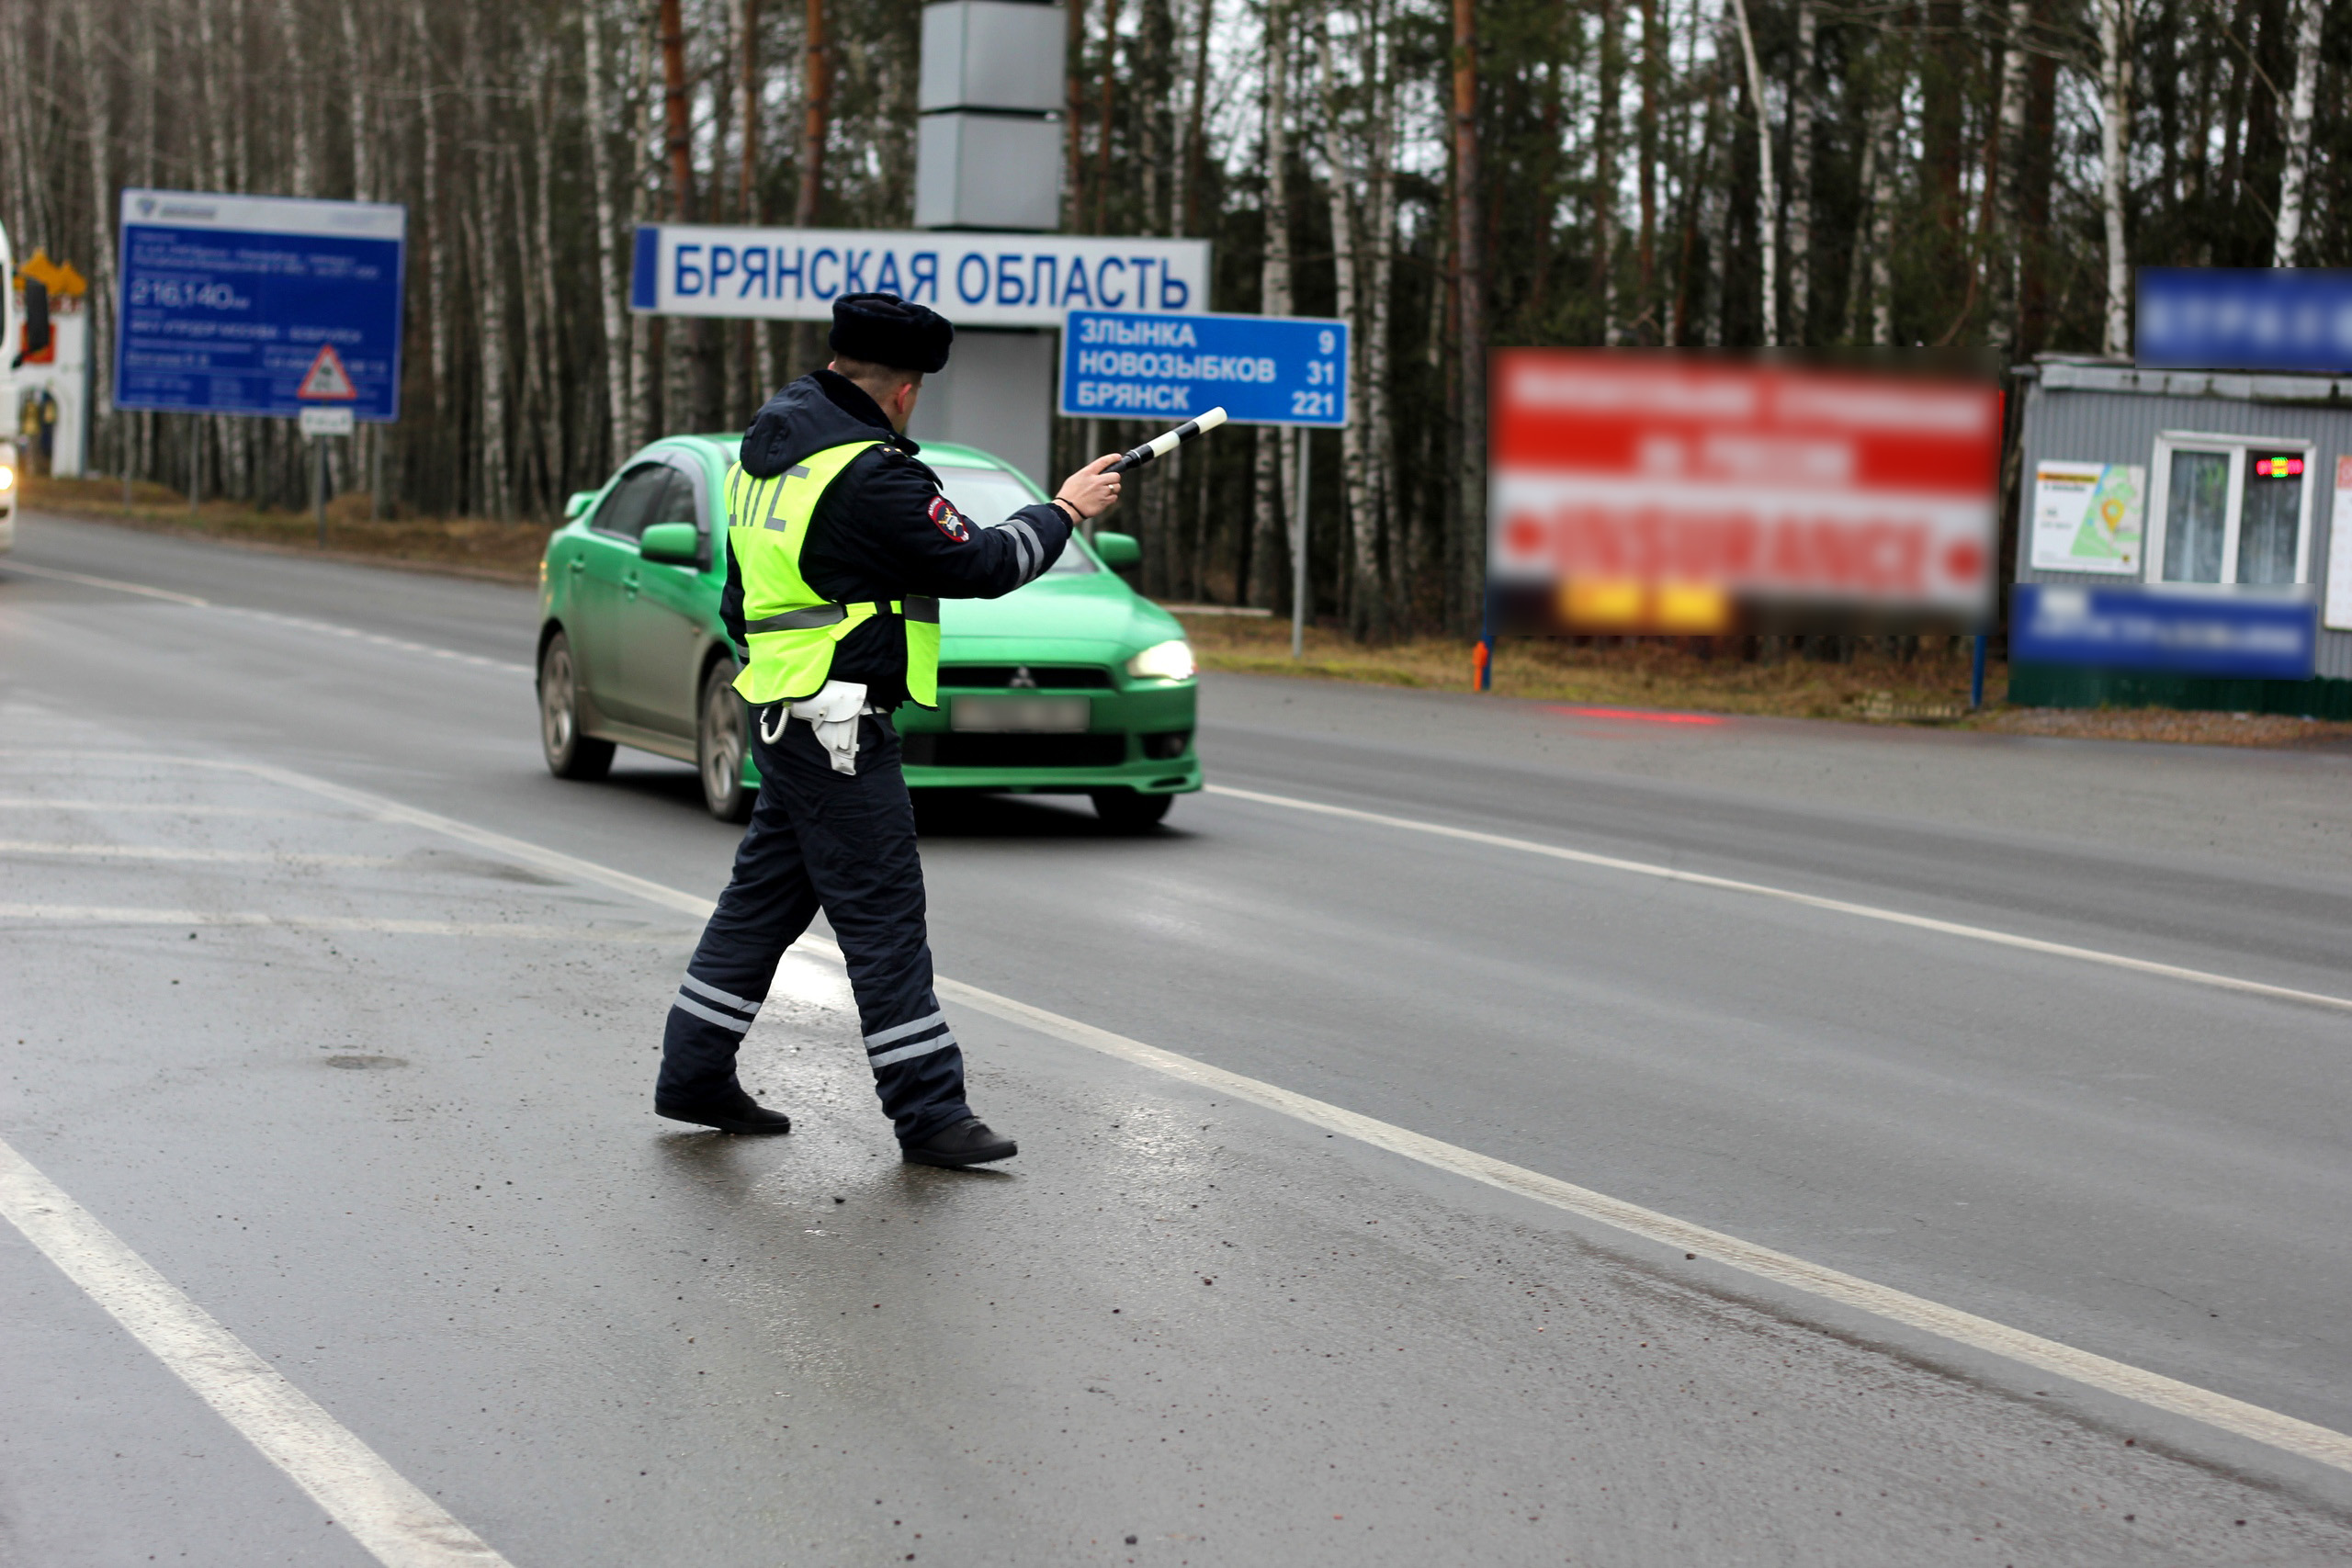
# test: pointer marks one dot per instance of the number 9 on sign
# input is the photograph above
(1328, 341)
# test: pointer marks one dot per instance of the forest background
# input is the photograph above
(1449, 177)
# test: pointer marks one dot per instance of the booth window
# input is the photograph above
(2231, 509)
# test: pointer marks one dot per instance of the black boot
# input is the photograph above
(734, 1111)
(965, 1143)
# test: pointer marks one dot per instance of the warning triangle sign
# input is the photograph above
(326, 380)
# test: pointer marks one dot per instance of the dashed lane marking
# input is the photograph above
(112, 808)
(394, 1520)
(142, 915)
(2273, 1429)
(184, 853)
(327, 627)
(1810, 900)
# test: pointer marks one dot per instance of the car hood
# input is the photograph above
(1091, 617)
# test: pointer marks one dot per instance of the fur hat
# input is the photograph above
(883, 329)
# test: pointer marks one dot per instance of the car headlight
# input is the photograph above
(1163, 662)
(8, 477)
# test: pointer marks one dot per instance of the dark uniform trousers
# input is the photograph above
(845, 844)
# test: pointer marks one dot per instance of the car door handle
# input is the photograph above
(579, 565)
(629, 584)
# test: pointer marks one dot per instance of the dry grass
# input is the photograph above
(471, 546)
(1651, 675)
(1932, 688)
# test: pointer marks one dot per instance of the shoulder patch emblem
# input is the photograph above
(949, 521)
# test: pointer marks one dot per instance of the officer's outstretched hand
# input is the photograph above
(1090, 492)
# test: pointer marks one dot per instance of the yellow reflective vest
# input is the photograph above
(791, 627)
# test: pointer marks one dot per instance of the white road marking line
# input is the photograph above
(40, 803)
(397, 1523)
(2273, 1429)
(140, 915)
(1810, 900)
(295, 621)
(12, 564)
(177, 852)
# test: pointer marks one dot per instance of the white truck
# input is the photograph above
(30, 314)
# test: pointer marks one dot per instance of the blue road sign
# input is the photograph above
(2244, 318)
(234, 304)
(2179, 631)
(1261, 369)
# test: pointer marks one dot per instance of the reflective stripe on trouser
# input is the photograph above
(845, 843)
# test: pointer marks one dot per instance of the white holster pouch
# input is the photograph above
(833, 713)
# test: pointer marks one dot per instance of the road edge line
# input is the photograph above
(1810, 900)
(387, 1515)
(2273, 1429)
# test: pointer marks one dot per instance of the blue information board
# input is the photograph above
(1261, 369)
(2244, 318)
(234, 304)
(2179, 631)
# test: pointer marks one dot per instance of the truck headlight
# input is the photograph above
(1163, 662)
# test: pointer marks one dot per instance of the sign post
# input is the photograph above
(264, 306)
(1281, 370)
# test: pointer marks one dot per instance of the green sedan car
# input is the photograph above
(1074, 684)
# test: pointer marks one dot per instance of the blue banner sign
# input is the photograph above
(1260, 369)
(2227, 636)
(2248, 318)
(974, 280)
(236, 304)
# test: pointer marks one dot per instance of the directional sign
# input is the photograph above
(974, 280)
(317, 422)
(259, 304)
(1262, 369)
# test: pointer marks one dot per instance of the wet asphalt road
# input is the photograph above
(380, 1108)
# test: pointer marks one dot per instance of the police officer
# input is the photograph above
(839, 546)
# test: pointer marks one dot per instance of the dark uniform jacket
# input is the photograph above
(882, 530)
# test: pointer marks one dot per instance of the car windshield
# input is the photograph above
(989, 496)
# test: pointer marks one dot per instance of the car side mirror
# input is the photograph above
(1120, 552)
(582, 500)
(672, 544)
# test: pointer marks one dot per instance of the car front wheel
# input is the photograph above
(570, 753)
(1130, 811)
(722, 734)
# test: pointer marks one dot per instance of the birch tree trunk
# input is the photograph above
(1342, 178)
(1604, 174)
(98, 118)
(1768, 196)
(298, 100)
(2003, 258)
(2292, 179)
(436, 247)
(1381, 457)
(481, 225)
(1273, 470)
(550, 309)
(531, 261)
(356, 99)
(1883, 222)
(1801, 175)
(622, 429)
(2114, 143)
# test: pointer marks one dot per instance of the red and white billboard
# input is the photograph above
(1657, 492)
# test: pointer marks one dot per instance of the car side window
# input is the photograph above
(631, 505)
(677, 503)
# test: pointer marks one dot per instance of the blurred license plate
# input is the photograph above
(1060, 714)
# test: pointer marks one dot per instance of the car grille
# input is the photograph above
(985, 750)
(1044, 677)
